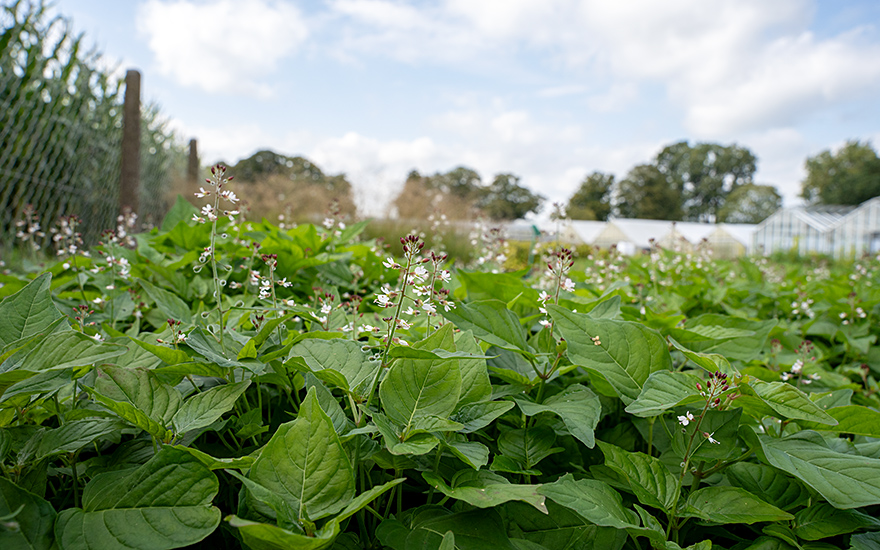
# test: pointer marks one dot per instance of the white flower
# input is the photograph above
(447, 305)
(420, 273)
(284, 282)
(445, 276)
(543, 322)
(229, 195)
(686, 419)
(543, 296)
(391, 264)
(201, 193)
(328, 223)
(712, 439)
(401, 323)
(410, 311)
(798, 365)
(326, 309)
(289, 303)
(429, 307)
(786, 376)
(568, 285)
(421, 290)
(383, 300)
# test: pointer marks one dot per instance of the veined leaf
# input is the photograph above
(774, 486)
(141, 389)
(475, 384)
(593, 500)
(491, 322)
(726, 335)
(62, 350)
(851, 419)
(305, 464)
(823, 520)
(790, 402)
(664, 390)
(166, 503)
(28, 312)
(723, 504)
(34, 516)
(204, 408)
(527, 447)
(650, 480)
(626, 355)
(420, 387)
(561, 529)
(476, 416)
(845, 480)
(170, 304)
(484, 489)
(344, 357)
(75, 435)
(577, 406)
(170, 356)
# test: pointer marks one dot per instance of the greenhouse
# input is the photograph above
(858, 232)
(804, 230)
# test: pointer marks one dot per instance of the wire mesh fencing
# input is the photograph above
(61, 130)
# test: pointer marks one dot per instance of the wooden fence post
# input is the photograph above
(192, 171)
(129, 184)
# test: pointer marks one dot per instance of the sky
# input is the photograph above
(549, 90)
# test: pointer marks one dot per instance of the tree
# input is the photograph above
(849, 176)
(454, 193)
(592, 200)
(705, 175)
(750, 203)
(506, 199)
(646, 193)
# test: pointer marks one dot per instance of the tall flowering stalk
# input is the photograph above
(558, 267)
(717, 396)
(211, 213)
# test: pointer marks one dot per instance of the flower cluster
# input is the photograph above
(559, 264)
(491, 244)
(29, 231)
(805, 355)
(177, 335)
(217, 183)
(68, 241)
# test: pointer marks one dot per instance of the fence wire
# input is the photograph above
(61, 130)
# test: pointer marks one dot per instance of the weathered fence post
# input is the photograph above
(129, 184)
(192, 169)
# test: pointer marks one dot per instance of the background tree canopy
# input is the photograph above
(849, 176)
(506, 199)
(592, 200)
(750, 203)
(647, 193)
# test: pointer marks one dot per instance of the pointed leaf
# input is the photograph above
(626, 355)
(723, 504)
(774, 486)
(577, 406)
(170, 304)
(561, 529)
(491, 322)
(664, 390)
(166, 503)
(593, 500)
(28, 312)
(141, 389)
(650, 480)
(419, 387)
(823, 520)
(342, 356)
(475, 382)
(305, 464)
(484, 489)
(845, 480)
(790, 402)
(476, 416)
(75, 435)
(204, 408)
(33, 515)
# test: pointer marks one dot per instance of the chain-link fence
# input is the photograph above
(61, 129)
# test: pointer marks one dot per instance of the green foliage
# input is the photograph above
(592, 200)
(850, 175)
(645, 193)
(666, 402)
(750, 203)
(506, 199)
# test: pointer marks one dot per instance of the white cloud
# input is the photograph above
(223, 45)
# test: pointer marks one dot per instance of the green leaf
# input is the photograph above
(865, 541)
(166, 503)
(28, 312)
(170, 304)
(476, 416)
(264, 536)
(344, 357)
(63, 350)
(730, 337)
(774, 486)
(491, 322)
(723, 504)
(170, 356)
(577, 406)
(845, 480)
(182, 211)
(593, 500)
(561, 529)
(823, 520)
(305, 464)
(204, 408)
(851, 419)
(650, 480)
(141, 389)
(711, 362)
(475, 382)
(212, 463)
(790, 402)
(204, 343)
(473, 530)
(528, 447)
(472, 453)
(74, 435)
(33, 515)
(627, 354)
(421, 387)
(664, 390)
(484, 489)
